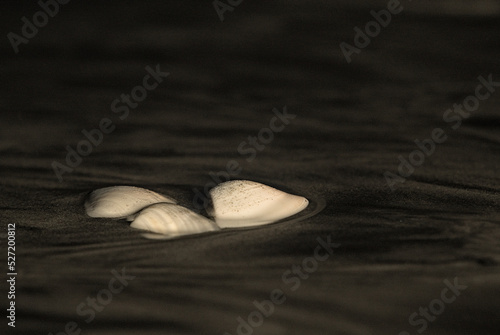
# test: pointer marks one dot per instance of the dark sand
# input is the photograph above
(352, 122)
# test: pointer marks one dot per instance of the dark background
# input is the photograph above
(352, 122)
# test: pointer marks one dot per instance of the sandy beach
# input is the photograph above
(399, 140)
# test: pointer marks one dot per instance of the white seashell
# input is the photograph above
(172, 220)
(121, 201)
(244, 203)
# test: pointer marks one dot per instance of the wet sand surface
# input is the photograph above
(352, 122)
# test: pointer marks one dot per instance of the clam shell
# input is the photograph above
(121, 201)
(244, 203)
(172, 220)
